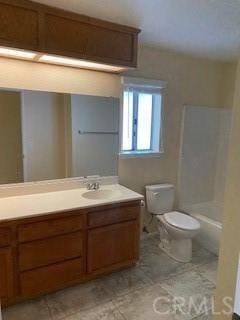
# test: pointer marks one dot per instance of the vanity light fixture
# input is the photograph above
(58, 60)
(17, 53)
(79, 63)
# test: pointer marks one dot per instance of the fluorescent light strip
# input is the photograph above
(17, 53)
(51, 59)
(78, 63)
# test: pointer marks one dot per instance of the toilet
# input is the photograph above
(176, 228)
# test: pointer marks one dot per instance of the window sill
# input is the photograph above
(140, 154)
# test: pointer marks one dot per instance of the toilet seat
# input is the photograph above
(181, 220)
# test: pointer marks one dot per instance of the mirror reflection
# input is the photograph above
(45, 135)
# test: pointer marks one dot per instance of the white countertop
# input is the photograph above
(25, 206)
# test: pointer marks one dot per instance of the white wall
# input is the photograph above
(43, 135)
(198, 155)
(222, 156)
(203, 159)
(230, 240)
(94, 153)
(51, 78)
(11, 168)
(237, 293)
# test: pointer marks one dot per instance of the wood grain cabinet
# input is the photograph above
(52, 251)
(6, 265)
(6, 274)
(110, 247)
(19, 25)
(5, 237)
(29, 25)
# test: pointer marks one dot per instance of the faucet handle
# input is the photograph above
(93, 185)
(88, 185)
(96, 185)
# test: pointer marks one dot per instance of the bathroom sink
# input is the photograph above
(100, 194)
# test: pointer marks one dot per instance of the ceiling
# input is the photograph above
(204, 28)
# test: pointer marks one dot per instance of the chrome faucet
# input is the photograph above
(93, 186)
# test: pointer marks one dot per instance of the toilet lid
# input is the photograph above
(181, 220)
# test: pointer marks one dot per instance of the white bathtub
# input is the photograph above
(209, 236)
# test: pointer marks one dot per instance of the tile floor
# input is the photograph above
(130, 294)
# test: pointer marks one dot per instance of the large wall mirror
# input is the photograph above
(45, 135)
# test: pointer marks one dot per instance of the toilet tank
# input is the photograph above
(160, 198)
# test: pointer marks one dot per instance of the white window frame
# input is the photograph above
(148, 85)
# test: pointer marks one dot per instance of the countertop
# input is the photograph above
(26, 206)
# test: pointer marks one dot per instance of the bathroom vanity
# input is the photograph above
(52, 240)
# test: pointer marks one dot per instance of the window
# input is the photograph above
(141, 127)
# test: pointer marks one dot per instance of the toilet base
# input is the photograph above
(179, 250)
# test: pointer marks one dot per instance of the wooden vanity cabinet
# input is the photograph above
(113, 238)
(49, 252)
(112, 246)
(6, 274)
(6, 265)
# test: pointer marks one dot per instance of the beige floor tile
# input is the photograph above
(148, 245)
(149, 303)
(209, 271)
(158, 266)
(31, 310)
(194, 290)
(207, 316)
(123, 282)
(201, 255)
(106, 311)
(68, 301)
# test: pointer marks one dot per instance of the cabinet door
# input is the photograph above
(111, 246)
(18, 26)
(76, 38)
(6, 273)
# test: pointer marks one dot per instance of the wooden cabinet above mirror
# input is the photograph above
(47, 30)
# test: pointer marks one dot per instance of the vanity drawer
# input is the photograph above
(44, 252)
(50, 228)
(51, 277)
(112, 215)
(5, 237)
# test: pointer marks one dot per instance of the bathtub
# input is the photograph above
(205, 213)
